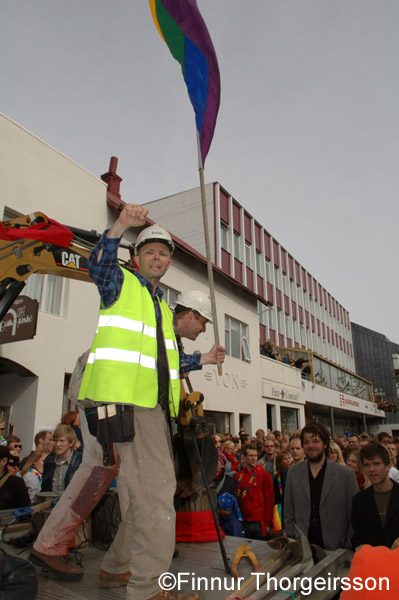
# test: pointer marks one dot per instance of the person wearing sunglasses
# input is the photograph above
(13, 492)
(3, 441)
(14, 465)
(14, 444)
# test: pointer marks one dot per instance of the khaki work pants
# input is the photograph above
(145, 540)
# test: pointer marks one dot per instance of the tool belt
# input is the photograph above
(111, 423)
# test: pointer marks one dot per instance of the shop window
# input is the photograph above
(289, 420)
(218, 422)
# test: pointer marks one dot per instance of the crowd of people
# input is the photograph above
(340, 492)
(47, 468)
(268, 349)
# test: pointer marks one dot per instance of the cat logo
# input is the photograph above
(69, 259)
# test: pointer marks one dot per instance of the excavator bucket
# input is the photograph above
(188, 470)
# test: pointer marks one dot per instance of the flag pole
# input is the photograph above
(208, 250)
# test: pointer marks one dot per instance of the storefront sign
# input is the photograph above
(20, 321)
(228, 380)
(345, 402)
(351, 403)
(284, 394)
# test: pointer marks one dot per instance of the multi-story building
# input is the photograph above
(295, 310)
(376, 359)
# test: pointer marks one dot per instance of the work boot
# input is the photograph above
(171, 595)
(60, 567)
(111, 580)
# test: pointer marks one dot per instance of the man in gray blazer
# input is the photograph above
(318, 494)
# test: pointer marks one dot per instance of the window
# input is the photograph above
(262, 312)
(259, 263)
(53, 295)
(237, 246)
(288, 327)
(169, 295)
(280, 321)
(268, 271)
(236, 339)
(224, 237)
(34, 286)
(289, 420)
(285, 285)
(48, 291)
(245, 349)
(271, 319)
(277, 278)
(248, 255)
(217, 421)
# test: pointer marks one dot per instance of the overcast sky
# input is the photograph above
(307, 138)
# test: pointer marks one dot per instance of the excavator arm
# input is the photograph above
(55, 250)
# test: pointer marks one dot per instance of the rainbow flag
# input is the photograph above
(183, 29)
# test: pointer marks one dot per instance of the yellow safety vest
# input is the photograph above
(122, 365)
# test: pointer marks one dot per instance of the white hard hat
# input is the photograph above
(154, 233)
(197, 301)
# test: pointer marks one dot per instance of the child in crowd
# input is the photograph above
(230, 517)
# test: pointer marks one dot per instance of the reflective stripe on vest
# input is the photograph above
(128, 356)
(122, 365)
(124, 323)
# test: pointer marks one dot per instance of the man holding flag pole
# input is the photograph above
(152, 390)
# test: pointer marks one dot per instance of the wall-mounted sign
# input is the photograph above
(228, 380)
(20, 321)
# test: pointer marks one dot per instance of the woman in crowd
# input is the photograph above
(13, 492)
(217, 441)
(353, 462)
(260, 435)
(14, 444)
(14, 465)
(223, 484)
(231, 467)
(283, 461)
(60, 467)
(32, 472)
(72, 418)
(296, 450)
(335, 454)
(237, 448)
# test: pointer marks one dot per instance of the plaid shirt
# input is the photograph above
(108, 277)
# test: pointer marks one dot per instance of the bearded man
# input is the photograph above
(318, 494)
